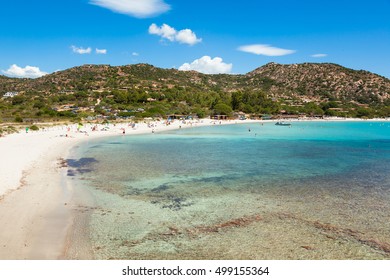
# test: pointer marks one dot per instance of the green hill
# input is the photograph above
(143, 90)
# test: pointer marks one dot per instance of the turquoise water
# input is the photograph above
(315, 190)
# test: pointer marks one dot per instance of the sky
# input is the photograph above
(38, 37)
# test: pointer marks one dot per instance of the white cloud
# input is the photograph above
(266, 50)
(319, 55)
(185, 36)
(135, 54)
(135, 8)
(26, 72)
(101, 51)
(81, 50)
(208, 65)
(164, 31)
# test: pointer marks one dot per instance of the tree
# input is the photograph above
(222, 109)
(18, 100)
(364, 112)
(313, 109)
(39, 104)
(81, 95)
(247, 108)
(332, 104)
(120, 97)
(236, 100)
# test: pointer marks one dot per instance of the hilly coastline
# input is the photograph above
(142, 90)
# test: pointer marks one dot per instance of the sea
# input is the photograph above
(312, 190)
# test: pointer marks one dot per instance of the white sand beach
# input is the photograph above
(37, 219)
(34, 216)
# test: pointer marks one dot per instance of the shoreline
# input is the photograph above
(35, 199)
(37, 203)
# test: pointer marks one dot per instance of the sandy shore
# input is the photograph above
(36, 219)
(34, 197)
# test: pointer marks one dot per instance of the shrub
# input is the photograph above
(18, 119)
(34, 127)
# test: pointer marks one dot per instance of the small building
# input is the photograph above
(219, 117)
(266, 117)
(176, 117)
(10, 94)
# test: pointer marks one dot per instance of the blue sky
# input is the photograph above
(43, 36)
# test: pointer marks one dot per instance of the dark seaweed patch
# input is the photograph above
(215, 179)
(172, 202)
(84, 170)
(133, 191)
(160, 188)
(96, 146)
(80, 166)
(177, 203)
(82, 162)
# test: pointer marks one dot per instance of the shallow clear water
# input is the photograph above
(315, 190)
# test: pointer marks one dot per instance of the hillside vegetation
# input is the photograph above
(143, 90)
